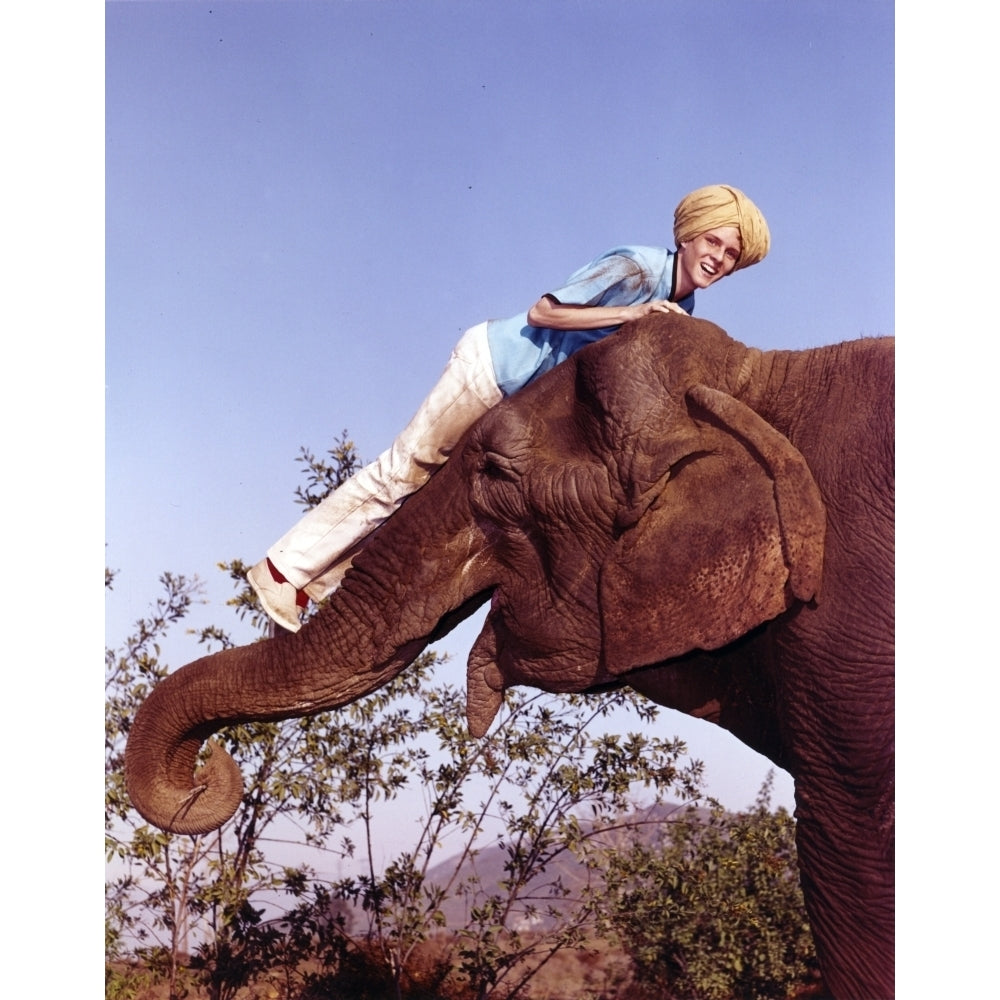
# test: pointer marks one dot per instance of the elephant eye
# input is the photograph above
(497, 466)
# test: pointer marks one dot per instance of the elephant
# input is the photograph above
(706, 522)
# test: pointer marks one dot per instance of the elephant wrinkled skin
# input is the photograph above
(709, 523)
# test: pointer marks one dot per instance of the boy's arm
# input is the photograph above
(551, 314)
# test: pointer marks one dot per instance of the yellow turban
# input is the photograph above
(719, 205)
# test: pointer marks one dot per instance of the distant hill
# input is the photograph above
(555, 888)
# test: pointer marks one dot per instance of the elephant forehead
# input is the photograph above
(542, 416)
(610, 405)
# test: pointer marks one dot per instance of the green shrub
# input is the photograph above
(713, 910)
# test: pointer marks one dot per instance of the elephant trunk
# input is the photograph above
(363, 638)
(265, 682)
(164, 783)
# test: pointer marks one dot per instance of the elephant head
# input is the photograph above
(637, 515)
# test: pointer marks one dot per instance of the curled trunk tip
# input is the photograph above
(201, 803)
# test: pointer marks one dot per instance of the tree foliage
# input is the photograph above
(542, 783)
(712, 908)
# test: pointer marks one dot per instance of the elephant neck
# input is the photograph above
(802, 394)
(795, 389)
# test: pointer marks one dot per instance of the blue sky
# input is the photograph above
(308, 203)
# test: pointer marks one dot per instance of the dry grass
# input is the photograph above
(584, 974)
(593, 973)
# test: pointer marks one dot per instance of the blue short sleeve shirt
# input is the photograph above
(621, 277)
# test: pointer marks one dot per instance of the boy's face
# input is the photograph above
(708, 257)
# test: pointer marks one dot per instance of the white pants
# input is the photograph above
(317, 552)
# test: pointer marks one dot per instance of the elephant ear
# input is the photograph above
(733, 538)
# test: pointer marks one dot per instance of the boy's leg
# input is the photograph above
(317, 552)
